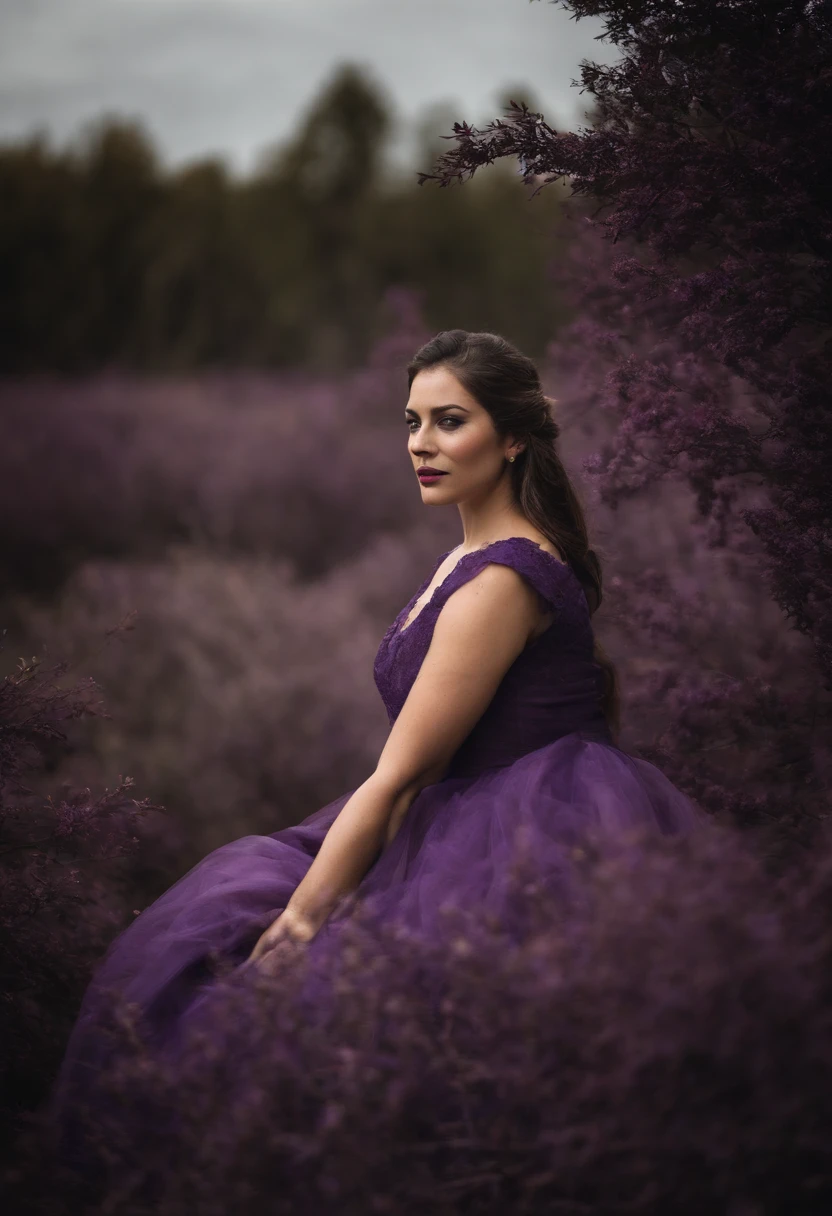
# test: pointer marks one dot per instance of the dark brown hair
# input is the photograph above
(506, 384)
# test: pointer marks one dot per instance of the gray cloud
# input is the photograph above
(233, 76)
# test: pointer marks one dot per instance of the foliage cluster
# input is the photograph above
(665, 1047)
(722, 692)
(65, 873)
(117, 467)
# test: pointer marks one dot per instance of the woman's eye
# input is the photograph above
(455, 423)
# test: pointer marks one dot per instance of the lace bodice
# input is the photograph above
(554, 685)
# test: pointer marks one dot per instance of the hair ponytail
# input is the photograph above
(506, 383)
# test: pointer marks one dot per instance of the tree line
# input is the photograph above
(108, 258)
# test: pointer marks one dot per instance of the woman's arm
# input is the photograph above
(480, 631)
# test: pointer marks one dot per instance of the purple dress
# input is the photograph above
(540, 762)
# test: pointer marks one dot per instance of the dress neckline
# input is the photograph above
(401, 629)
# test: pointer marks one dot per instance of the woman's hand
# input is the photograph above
(288, 928)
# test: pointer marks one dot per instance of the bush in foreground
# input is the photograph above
(62, 878)
(651, 1037)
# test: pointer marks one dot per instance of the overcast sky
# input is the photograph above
(233, 76)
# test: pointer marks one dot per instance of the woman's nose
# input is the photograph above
(420, 444)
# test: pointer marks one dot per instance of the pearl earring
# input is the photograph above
(511, 458)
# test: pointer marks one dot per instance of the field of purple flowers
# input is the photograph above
(218, 558)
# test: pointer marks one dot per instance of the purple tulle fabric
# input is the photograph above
(539, 772)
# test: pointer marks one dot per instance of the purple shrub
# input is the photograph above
(652, 1036)
(245, 700)
(61, 898)
(121, 467)
(718, 688)
(744, 733)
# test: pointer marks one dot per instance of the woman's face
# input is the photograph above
(452, 432)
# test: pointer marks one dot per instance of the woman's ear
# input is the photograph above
(515, 446)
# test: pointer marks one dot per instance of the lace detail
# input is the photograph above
(394, 624)
(402, 649)
(533, 564)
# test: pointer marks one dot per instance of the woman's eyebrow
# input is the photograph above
(437, 409)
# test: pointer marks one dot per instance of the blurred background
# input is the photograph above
(216, 260)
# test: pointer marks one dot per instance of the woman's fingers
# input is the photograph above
(286, 928)
(267, 939)
(270, 961)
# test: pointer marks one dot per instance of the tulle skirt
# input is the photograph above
(455, 848)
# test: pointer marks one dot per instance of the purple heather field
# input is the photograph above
(199, 569)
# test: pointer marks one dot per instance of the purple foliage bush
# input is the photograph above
(62, 880)
(119, 467)
(652, 1036)
(245, 699)
(718, 687)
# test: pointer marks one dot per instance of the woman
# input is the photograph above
(503, 719)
